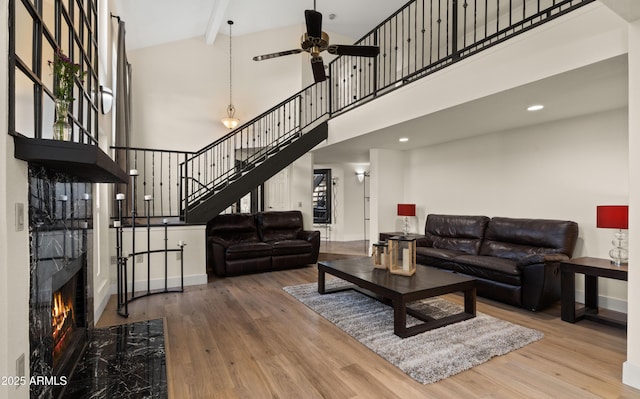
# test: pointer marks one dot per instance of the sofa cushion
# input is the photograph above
(488, 267)
(515, 239)
(239, 227)
(291, 247)
(445, 254)
(437, 257)
(455, 232)
(247, 250)
(279, 226)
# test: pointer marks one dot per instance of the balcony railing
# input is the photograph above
(159, 176)
(425, 36)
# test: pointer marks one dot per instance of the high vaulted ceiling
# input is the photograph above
(153, 22)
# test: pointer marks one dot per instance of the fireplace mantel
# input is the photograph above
(85, 162)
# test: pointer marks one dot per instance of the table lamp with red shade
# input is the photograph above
(406, 210)
(615, 217)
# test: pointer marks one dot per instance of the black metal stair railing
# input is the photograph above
(225, 160)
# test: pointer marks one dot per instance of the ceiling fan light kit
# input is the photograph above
(315, 41)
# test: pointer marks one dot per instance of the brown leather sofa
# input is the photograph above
(516, 261)
(266, 241)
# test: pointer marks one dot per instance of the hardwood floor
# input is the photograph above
(244, 337)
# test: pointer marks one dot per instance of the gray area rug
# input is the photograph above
(427, 357)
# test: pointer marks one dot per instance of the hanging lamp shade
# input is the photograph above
(230, 122)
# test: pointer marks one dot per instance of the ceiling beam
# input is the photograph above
(215, 20)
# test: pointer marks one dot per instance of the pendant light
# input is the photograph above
(230, 122)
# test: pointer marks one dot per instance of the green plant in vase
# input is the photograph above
(65, 72)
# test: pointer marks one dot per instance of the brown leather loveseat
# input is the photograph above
(266, 241)
(516, 261)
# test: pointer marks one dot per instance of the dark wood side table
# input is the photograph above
(592, 268)
(387, 235)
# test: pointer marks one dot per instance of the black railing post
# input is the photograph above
(375, 65)
(184, 188)
(454, 28)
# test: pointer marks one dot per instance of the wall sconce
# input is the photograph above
(615, 217)
(106, 99)
(361, 175)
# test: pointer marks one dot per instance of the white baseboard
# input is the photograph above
(631, 374)
(172, 283)
(606, 302)
(97, 312)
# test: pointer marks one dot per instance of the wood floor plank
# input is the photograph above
(244, 337)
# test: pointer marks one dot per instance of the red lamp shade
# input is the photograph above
(406, 209)
(612, 216)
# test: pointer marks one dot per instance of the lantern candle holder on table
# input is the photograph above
(380, 255)
(402, 255)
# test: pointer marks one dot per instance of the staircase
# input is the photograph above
(251, 174)
(216, 176)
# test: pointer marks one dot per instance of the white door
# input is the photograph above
(277, 192)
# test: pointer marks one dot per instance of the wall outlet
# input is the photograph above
(138, 258)
(20, 366)
(178, 255)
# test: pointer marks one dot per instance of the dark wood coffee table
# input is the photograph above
(427, 282)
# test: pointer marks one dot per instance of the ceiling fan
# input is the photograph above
(315, 41)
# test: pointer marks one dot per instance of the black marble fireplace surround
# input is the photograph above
(60, 227)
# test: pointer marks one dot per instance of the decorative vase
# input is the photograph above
(61, 127)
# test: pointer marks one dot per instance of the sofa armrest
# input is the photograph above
(424, 242)
(218, 241)
(312, 236)
(541, 258)
(540, 280)
(216, 257)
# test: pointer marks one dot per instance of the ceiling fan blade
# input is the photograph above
(317, 66)
(358, 51)
(314, 23)
(278, 54)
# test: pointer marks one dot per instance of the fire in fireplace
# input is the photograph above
(63, 320)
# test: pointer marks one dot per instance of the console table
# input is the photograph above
(592, 268)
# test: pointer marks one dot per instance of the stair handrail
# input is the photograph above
(219, 162)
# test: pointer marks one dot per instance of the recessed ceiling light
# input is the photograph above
(403, 139)
(536, 107)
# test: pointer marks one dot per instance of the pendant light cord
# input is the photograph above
(230, 66)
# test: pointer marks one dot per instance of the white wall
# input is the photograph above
(300, 187)
(14, 245)
(387, 189)
(349, 205)
(545, 171)
(631, 368)
(181, 89)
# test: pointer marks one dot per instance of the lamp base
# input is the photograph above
(405, 227)
(619, 255)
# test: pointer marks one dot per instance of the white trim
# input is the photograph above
(606, 302)
(631, 374)
(172, 283)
